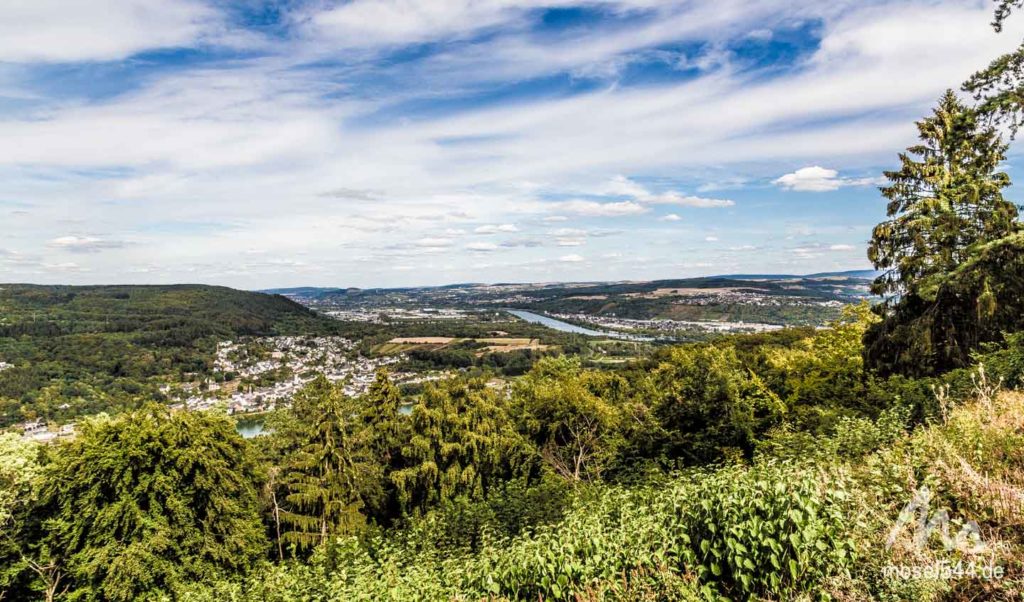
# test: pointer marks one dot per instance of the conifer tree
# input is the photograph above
(385, 431)
(945, 198)
(1000, 86)
(381, 416)
(945, 248)
(461, 444)
(327, 477)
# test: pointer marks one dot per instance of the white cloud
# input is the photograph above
(66, 266)
(494, 229)
(711, 238)
(570, 258)
(730, 183)
(622, 186)
(811, 179)
(99, 30)
(820, 179)
(482, 246)
(684, 200)
(671, 217)
(84, 244)
(814, 250)
(596, 209)
(383, 22)
(434, 243)
(526, 243)
(806, 252)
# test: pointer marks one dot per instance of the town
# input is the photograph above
(666, 326)
(258, 374)
(383, 315)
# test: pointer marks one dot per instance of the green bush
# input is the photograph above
(774, 532)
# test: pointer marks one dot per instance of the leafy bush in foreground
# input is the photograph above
(735, 532)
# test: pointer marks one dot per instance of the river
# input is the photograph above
(529, 316)
(255, 426)
(249, 427)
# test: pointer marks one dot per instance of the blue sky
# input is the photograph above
(402, 142)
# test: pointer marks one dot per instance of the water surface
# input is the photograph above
(249, 427)
(529, 316)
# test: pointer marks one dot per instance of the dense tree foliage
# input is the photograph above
(945, 199)
(1000, 86)
(949, 250)
(384, 433)
(327, 477)
(774, 530)
(575, 417)
(20, 481)
(461, 443)
(137, 505)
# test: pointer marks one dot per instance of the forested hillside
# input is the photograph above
(97, 348)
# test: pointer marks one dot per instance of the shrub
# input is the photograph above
(774, 532)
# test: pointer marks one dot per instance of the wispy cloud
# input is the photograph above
(99, 30)
(434, 243)
(495, 229)
(597, 209)
(623, 186)
(84, 244)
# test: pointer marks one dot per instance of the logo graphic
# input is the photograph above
(917, 513)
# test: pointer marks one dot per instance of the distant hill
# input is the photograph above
(858, 274)
(196, 310)
(305, 291)
(83, 349)
(865, 274)
(313, 292)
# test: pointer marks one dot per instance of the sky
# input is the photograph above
(374, 143)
